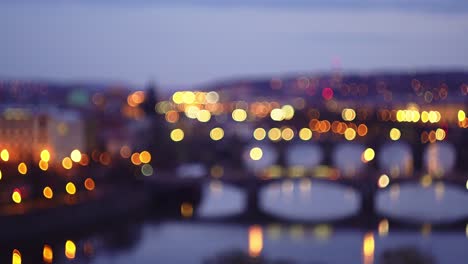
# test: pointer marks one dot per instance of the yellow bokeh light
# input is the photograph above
(5, 155)
(256, 153)
(188, 97)
(305, 133)
(178, 97)
(274, 134)
(255, 241)
(426, 181)
(177, 135)
(277, 114)
(16, 258)
(383, 181)
(89, 184)
(434, 116)
(395, 134)
(145, 157)
(288, 112)
(348, 114)
(22, 168)
(203, 116)
(461, 115)
(70, 249)
(383, 227)
(400, 116)
(259, 133)
(368, 155)
(350, 134)
(287, 134)
(43, 165)
(47, 192)
(45, 155)
(440, 134)
(239, 115)
(70, 188)
(192, 111)
(47, 254)
(67, 163)
(368, 246)
(0, 174)
(75, 155)
(415, 116)
(186, 210)
(216, 133)
(16, 196)
(424, 117)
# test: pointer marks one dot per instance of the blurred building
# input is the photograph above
(25, 132)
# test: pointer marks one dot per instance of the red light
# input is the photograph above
(327, 93)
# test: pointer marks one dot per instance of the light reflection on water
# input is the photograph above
(194, 243)
(306, 199)
(436, 203)
(185, 242)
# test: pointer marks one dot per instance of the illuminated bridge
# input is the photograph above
(367, 187)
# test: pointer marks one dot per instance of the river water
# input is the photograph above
(181, 241)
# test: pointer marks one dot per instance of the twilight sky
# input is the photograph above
(183, 44)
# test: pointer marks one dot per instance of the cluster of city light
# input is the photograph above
(195, 97)
(138, 158)
(276, 134)
(349, 130)
(286, 112)
(415, 116)
(462, 120)
(432, 136)
(134, 100)
(194, 104)
(44, 160)
(48, 253)
(297, 231)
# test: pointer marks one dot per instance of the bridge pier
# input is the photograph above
(253, 210)
(368, 212)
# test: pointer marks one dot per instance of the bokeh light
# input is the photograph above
(305, 134)
(395, 134)
(256, 153)
(177, 135)
(259, 133)
(216, 133)
(70, 188)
